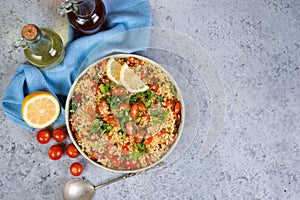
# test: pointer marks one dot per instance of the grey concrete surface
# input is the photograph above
(255, 45)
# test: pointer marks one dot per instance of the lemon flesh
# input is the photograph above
(40, 109)
(131, 81)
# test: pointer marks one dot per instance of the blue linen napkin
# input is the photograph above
(122, 17)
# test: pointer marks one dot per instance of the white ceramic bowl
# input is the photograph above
(73, 138)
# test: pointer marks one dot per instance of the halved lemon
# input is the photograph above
(113, 69)
(131, 81)
(40, 109)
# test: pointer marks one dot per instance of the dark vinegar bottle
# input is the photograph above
(86, 16)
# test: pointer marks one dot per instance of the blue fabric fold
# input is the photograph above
(125, 32)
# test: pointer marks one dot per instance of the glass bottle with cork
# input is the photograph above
(41, 46)
(86, 16)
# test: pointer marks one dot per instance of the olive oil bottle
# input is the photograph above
(41, 46)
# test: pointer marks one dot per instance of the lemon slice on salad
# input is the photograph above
(113, 69)
(131, 81)
(40, 109)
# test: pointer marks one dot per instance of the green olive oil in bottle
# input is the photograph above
(41, 46)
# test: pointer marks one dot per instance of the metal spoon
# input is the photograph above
(77, 189)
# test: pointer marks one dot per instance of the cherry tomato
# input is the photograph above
(124, 105)
(95, 88)
(161, 133)
(118, 91)
(131, 128)
(43, 136)
(132, 60)
(103, 104)
(71, 151)
(103, 108)
(59, 134)
(115, 161)
(129, 164)
(78, 97)
(148, 140)
(112, 120)
(55, 152)
(134, 111)
(142, 106)
(91, 113)
(126, 148)
(170, 104)
(76, 169)
(153, 87)
(177, 108)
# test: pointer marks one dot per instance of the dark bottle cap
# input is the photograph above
(30, 32)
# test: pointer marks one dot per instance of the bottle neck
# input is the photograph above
(84, 8)
(41, 44)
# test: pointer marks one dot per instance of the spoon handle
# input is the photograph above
(115, 180)
(127, 176)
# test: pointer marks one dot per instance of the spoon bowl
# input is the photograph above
(77, 189)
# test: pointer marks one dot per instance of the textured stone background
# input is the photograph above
(255, 45)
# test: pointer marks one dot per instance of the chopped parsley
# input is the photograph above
(135, 155)
(137, 120)
(73, 106)
(123, 117)
(146, 97)
(173, 89)
(98, 125)
(158, 114)
(114, 101)
(160, 99)
(135, 98)
(105, 88)
(139, 147)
